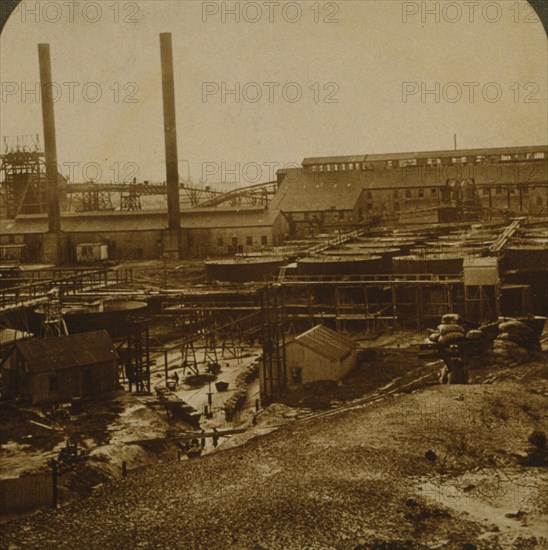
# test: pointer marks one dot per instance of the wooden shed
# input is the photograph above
(319, 354)
(57, 369)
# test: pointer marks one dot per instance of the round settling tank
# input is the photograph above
(111, 316)
(438, 264)
(243, 270)
(340, 265)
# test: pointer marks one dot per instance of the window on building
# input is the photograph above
(538, 155)
(512, 190)
(433, 191)
(421, 193)
(220, 242)
(351, 166)
(506, 157)
(369, 195)
(297, 375)
(369, 206)
(341, 215)
(485, 191)
(396, 193)
(498, 190)
(539, 201)
(360, 213)
(53, 382)
(408, 193)
(389, 164)
(264, 240)
(396, 206)
(249, 241)
(525, 189)
(234, 241)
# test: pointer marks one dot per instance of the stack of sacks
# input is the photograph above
(238, 397)
(513, 344)
(451, 330)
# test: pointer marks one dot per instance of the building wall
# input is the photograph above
(85, 381)
(301, 224)
(202, 242)
(123, 245)
(40, 388)
(532, 199)
(314, 365)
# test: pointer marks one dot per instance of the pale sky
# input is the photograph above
(364, 59)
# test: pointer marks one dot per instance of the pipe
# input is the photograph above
(170, 132)
(50, 143)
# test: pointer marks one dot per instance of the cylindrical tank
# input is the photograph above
(439, 264)
(340, 265)
(242, 270)
(525, 257)
(111, 316)
(384, 252)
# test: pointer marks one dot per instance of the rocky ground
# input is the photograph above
(436, 468)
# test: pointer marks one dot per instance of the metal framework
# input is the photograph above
(134, 351)
(90, 196)
(274, 369)
(23, 186)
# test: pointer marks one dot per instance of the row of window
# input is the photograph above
(433, 191)
(408, 193)
(401, 163)
(235, 242)
(512, 190)
(396, 206)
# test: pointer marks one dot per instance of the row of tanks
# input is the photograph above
(438, 250)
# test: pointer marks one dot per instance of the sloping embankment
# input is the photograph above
(341, 482)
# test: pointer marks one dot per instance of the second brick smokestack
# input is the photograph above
(50, 143)
(170, 132)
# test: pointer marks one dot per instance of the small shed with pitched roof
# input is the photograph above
(319, 354)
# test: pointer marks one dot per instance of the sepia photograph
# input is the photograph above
(273, 274)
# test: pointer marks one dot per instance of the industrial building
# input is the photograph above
(60, 368)
(138, 235)
(342, 192)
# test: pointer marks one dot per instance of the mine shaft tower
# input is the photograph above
(23, 184)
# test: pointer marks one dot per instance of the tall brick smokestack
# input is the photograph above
(50, 143)
(170, 132)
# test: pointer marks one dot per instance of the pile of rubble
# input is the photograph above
(514, 343)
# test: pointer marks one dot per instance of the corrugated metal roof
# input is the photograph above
(302, 190)
(110, 222)
(326, 342)
(64, 352)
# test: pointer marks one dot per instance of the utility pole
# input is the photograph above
(165, 271)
